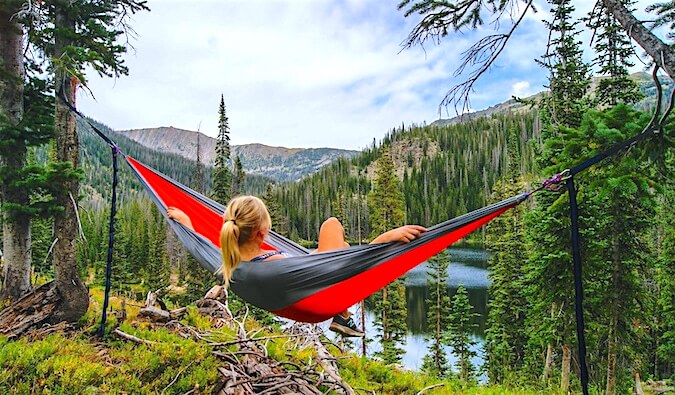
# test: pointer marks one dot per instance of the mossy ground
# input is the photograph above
(82, 363)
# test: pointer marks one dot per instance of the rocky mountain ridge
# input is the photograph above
(644, 81)
(280, 163)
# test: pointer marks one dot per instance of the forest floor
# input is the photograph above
(199, 350)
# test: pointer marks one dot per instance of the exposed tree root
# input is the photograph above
(29, 313)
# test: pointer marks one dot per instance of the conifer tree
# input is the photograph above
(238, 176)
(613, 52)
(506, 335)
(387, 211)
(222, 175)
(386, 201)
(563, 108)
(459, 334)
(438, 315)
(26, 121)
(198, 174)
(279, 224)
(16, 228)
(619, 209)
(665, 281)
(74, 35)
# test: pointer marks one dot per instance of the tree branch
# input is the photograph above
(662, 54)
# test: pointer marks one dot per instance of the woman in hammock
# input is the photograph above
(246, 224)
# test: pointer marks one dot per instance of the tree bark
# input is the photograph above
(548, 363)
(611, 360)
(16, 227)
(73, 293)
(566, 366)
(663, 54)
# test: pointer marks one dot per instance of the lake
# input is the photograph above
(468, 268)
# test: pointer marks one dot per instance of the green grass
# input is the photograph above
(81, 363)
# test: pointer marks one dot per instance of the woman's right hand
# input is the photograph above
(405, 234)
(179, 216)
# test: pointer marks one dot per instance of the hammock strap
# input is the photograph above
(578, 284)
(111, 242)
(113, 209)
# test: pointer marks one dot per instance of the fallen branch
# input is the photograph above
(177, 376)
(132, 338)
(430, 388)
(256, 339)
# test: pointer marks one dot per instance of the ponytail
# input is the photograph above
(229, 244)
(244, 216)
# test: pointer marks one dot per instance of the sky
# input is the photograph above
(299, 73)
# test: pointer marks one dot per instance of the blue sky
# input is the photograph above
(303, 73)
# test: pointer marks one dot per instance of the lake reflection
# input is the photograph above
(468, 268)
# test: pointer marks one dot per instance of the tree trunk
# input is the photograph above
(16, 227)
(74, 295)
(566, 366)
(662, 54)
(549, 354)
(611, 360)
(614, 315)
(548, 363)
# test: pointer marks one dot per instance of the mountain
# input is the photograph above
(644, 81)
(279, 163)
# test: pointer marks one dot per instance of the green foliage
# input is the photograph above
(569, 75)
(387, 211)
(279, 223)
(222, 175)
(614, 50)
(447, 171)
(459, 335)
(438, 315)
(238, 177)
(387, 206)
(59, 365)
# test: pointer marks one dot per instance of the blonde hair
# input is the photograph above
(244, 216)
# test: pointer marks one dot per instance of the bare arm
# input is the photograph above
(179, 216)
(404, 234)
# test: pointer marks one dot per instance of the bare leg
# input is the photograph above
(332, 237)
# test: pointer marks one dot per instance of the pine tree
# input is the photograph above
(387, 211)
(438, 315)
(238, 176)
(568, 73)
(563, 108)
(198, 174)
(26, 121)
(613, 51)
(506, 335)
(665, 281)
(279, 223)
(222, 175)
(386, 201)
(619, 209)
(459, 334)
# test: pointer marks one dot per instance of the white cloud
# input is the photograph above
(295, 73)
(521, 89)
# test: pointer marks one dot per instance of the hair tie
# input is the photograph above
(233, 221)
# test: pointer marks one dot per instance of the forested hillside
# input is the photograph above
(445, 170)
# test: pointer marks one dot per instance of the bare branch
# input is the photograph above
(482, 54)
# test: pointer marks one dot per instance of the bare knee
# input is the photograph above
(332, 223)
